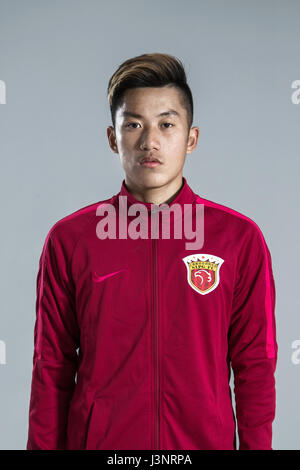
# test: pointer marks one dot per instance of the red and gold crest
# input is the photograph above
(203, 271)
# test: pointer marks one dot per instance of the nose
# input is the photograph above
(149, 140)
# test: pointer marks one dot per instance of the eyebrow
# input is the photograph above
(139, 116)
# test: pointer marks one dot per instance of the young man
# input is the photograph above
(136, 329)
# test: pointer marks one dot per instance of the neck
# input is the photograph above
(155, 195)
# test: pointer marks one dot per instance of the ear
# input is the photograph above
(193, 139)
(112, 138)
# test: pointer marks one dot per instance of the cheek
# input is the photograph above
(129, 139)
(177, 143)
(177, 152)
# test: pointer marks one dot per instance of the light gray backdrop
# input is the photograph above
(241, 59)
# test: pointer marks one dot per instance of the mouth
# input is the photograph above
(150, 162)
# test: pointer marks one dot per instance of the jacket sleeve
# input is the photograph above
(55, 357)
(252, 344)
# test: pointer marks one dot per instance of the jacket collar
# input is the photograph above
(185, 196)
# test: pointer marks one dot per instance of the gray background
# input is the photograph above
(56, 58)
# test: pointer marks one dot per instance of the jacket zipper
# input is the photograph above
(156, 375)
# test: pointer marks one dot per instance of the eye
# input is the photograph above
(169, 124)
(131, 123)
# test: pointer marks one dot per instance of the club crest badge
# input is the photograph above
(203, 271)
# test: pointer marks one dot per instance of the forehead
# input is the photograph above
(151, 102)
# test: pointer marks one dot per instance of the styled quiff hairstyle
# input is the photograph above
(149, 70)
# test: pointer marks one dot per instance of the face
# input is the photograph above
(152, 123)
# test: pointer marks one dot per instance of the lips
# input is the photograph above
(149, 160)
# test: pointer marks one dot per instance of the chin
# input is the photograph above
(152, 180)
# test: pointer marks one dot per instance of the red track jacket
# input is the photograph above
(134, 338)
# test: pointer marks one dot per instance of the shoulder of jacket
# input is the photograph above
(236, 219)
(69, 228)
